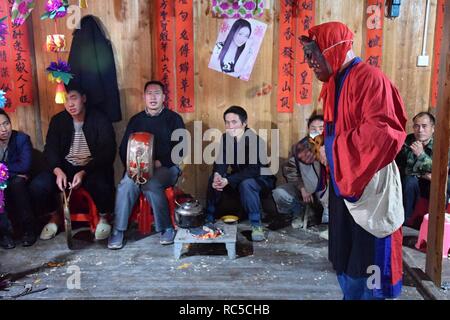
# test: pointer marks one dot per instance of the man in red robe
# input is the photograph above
(364, 130)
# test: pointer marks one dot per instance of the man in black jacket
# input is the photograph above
(80, 151)
(161, 122)
(241, 151)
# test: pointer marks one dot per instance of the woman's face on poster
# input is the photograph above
(241, 37)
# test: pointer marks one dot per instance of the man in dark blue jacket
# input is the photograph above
(15, 152)
(241, 153)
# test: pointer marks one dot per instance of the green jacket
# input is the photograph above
(410, 164)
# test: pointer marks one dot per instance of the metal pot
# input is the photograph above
(190, 214)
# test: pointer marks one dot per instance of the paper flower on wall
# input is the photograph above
(2, 99)
(4, 175)
(56, 43)
(238, 8)
(3, 29)
(55, 9)
(21, 10)
(59, 72)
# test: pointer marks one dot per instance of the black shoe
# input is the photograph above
(28, 239)
(7, 242)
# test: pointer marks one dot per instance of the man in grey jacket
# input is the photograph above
(303, 181)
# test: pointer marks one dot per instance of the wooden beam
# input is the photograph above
(39, 137)
(440, 165)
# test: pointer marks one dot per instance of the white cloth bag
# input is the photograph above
(380, 210)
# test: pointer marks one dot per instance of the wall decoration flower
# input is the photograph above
(2, 99)
(59, 71)
(4, 175)
(20, 11)
(55, 9)
(3, 29)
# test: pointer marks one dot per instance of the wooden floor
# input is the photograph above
(292, 264)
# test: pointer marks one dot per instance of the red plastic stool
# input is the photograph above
(143, 213)
(83, 209)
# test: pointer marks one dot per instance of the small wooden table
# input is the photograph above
(228, 238)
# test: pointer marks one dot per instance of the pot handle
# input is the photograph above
(182, 195)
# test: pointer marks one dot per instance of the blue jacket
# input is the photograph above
(19, 154)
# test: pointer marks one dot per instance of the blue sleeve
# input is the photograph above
(21, 162)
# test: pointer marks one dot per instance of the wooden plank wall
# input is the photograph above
(129, 26)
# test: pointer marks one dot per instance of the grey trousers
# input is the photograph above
(287, 199)
(154, 190)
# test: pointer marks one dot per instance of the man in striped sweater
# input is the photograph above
(79, 151)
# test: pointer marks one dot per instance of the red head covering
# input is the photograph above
(334, 40)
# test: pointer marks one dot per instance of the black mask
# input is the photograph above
(316, 59)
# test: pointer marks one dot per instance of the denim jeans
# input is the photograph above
(249, 191)
(154, 190)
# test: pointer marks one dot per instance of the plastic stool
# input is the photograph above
(420, 209)
(423, 235)
(143, 213)
(83, 209)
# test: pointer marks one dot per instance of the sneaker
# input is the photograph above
(258, 234)
(325, 216)
(28, 239)
(297, 223)
(167, 236)
(103, 229)
(49, 231)
(7, 242)
(116, 240)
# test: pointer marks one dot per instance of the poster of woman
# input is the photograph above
(237, 47)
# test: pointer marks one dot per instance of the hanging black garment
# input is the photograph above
(92, 62)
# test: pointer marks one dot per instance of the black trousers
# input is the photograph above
(44, 191)
(18, 204)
